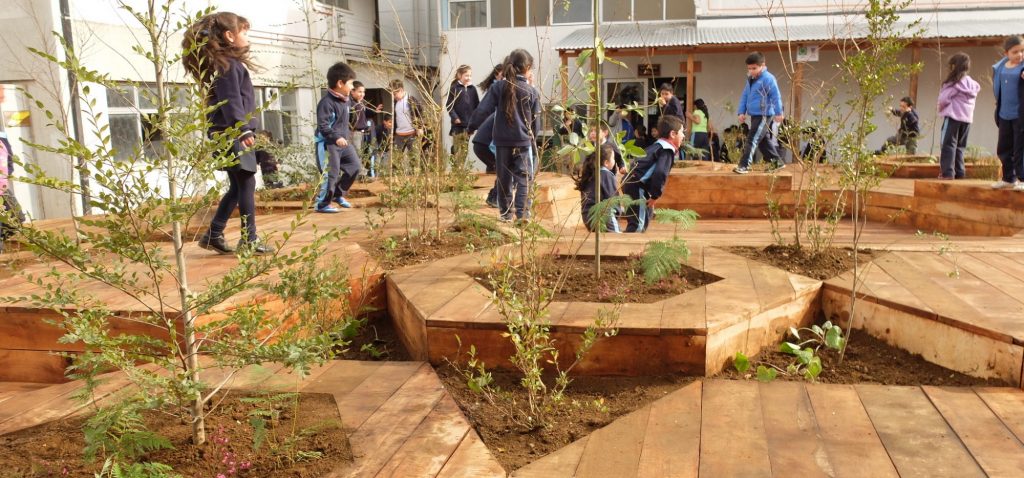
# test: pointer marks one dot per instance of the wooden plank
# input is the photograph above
(64, 404)
(849, 438)
(794, 444)
(771, 284)
(32, 366)
(1008, 405)
(672, 442)
(342, 378)
(384, 432)
(732, 435)
(915, 435)
(993, 446)
(685, 314)
(430, 445)
(472, 459)
(27, 401)
(562, 462)
(615, 449)
(357, 405)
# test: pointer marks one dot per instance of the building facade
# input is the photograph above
(293, 42)
(700, 46)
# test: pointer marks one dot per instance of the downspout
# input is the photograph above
(76, 105)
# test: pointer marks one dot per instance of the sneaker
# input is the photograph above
(215, 243)
(947, 178)
(343, 203)
(740, 170)
(328, 210)
(773, 167)
(256, 248)
(505, 219)
(1018, 187)
(492, 203)
(1001, 185)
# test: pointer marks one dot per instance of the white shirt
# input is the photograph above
(403, 117)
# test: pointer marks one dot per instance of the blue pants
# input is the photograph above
(638, 216)
(954, 140)
(1010, 149)
(762, 136)
(342, 166)
(516, 167)
(611, 224)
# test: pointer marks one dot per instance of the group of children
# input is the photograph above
(504, 126)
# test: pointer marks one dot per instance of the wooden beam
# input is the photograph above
(798, 93)
(689, 88)
(563, 73)
(915, 57)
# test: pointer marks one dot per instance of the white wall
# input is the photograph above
(724, 8)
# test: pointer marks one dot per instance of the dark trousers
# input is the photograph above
(700, 141)
(611, 222)
(241, 194)
(342, 166)
(1010, 149)
(954, 140)
(638, 216)
(483, 152)
(516, 166)
(762, 136)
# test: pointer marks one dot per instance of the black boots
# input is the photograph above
(256, 248)
(215, 242)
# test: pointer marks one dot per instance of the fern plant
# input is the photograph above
(664, 258)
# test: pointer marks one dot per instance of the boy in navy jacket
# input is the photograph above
(762, 102)
(334, 153)
(646, 181)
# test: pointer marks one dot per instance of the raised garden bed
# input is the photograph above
(826, 265)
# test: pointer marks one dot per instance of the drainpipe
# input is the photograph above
(76, 105)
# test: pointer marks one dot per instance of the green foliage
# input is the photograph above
(115, 469)
(805, 351)
(766, 374)
(664, 258)
(741, 362)
(118, 432)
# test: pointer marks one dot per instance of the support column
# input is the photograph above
(798, 93)
(563, 73)
(689, 87)
(915, 57)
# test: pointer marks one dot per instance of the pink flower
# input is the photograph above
(221, 475)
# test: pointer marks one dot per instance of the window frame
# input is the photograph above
(487, 14)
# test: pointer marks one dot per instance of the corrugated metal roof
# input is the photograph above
(973, 24)
(633, 35)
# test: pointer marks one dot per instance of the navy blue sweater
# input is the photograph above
(332, 115)
(608, 189)
(233, 87)
(651, 172)
(485, 134)
(462, 102)
(674, 107)
(525, 124)
(361, 113)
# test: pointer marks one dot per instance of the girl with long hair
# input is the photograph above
(216, 54)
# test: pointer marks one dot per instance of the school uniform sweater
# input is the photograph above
(233, 88)
(651, 172)
(332, 115)
(674, 107)
(524, 126)
(462, 102)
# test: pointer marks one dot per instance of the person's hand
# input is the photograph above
(650, 203)
(779, 118)
(623, 171)
(380, 108)
(458, 121)
(661, 101)
(742, 118)
(342, 142)
(248, 141)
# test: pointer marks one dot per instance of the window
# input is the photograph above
(648, 10)
(467, 13)
(501, 14)
(571, 11)
(616, 10)
(539, 12)
(679, 10)
(335, 3)
(132, 110)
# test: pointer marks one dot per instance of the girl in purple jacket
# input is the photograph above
(956, 104)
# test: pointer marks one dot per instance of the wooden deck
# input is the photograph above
(401, 421)
(722, 428)
(962, 310)
(696, 332)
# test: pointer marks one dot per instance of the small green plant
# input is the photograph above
(664, 258)
(947, 248)
(805, 351)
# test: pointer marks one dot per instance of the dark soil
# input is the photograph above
(622, 280)
(377, 340)
(395, 252)
(826, 265)
(55, 449)
(869, 360)
(576, 418)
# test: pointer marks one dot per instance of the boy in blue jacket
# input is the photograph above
(334, 153)
(762, 102)
(646, 181)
